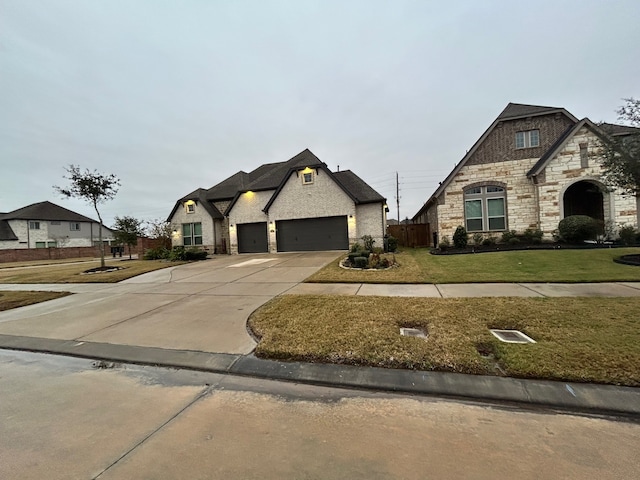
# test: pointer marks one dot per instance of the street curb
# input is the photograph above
(587, 398)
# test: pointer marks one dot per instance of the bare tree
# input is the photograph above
(93, 187)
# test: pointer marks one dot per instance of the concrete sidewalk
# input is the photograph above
(194, 317)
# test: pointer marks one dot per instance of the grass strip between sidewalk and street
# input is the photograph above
(560, 265)
(15, 299)
(73, 273)
(578, 339)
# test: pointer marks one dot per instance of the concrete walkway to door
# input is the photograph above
(202, 306)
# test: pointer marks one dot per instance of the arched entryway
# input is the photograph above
(585, 198)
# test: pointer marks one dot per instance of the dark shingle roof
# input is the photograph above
(6, 232)
(46, 211)
(616, 130)
(358, 188)
(516, 110)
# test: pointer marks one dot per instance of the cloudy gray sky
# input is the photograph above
(172, 96)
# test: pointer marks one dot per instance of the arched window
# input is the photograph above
(485, 208)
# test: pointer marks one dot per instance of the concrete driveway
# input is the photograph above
(201, 306)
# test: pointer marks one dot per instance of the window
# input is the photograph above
(74, 226)
(528, 139)
(41, 244)
(34, 225)
(191, 234)
(584, 155)
(191, 207)
(484, 209)
(307, 178)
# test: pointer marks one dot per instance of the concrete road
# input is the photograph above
(201, 306)
(62, 418)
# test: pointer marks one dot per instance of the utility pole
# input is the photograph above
(398, 197)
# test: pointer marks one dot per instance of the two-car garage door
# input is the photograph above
(327, 233)
(308, 234)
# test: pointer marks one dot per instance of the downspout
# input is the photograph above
(215, 245)
(28, 235)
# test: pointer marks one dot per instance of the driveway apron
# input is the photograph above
(202, 306)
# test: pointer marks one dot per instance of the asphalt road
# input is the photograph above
(66, 418)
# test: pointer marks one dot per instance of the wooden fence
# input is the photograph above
(411, 235)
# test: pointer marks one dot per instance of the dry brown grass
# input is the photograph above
(579, 339)
(72, 273)
(10, 300)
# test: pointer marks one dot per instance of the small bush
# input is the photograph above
(444, 243)
(514, 241)
(532, 236)
(392, 244)
(193, 254)
(361, 262)
(627, 235)
(460, 237)
(478, 238)
(507, 236)
(159, 253)
(577, 228)
(490, 240)
(368, 242)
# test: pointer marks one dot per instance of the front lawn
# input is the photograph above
(579, 339)
(73, 273)
(562, 265)
(17, 299)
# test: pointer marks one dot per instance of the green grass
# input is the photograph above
(579, 339)
(562, 265)
(72, 273)
(17, 299)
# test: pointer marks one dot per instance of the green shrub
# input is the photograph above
(478, 238)
(514, 241)
(532, 236)
(194, 254)
(445, 243)
(490, 240)
(177, 254)
(507, 236)
(577, 228)
(159, 253)
(627, 235)
(361, 262)
(460, 237)
(368, 241)
(392, 244)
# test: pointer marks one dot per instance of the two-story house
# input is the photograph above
(46, 224)
(532, 167)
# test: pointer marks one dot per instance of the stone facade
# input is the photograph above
(211, 229)
(531, 202)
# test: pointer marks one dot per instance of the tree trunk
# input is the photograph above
(95, 206)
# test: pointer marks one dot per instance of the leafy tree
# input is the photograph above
(621, 154)
(127, 231)
(93, 187)
(160, 230)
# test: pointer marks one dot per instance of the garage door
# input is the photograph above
(252, 237)
(327, 233)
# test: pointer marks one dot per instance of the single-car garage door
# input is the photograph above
(252, 237)
(327, 233)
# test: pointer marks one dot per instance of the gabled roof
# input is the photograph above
(512, 111)
(273, 176)
(6, 232)
(359, 189)
(45, 211)
(521, 110)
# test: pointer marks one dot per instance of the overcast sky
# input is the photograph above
(172, 96)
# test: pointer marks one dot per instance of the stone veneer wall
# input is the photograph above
(521, 196)
(199, 215)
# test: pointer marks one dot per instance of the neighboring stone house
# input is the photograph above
(531, 168)
(297, 205)
(46, 224)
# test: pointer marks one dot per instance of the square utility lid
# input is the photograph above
(511, 336)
